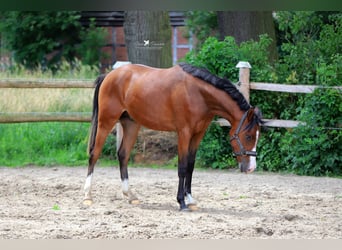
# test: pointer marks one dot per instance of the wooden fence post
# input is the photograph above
(244, 73)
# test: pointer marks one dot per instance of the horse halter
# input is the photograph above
(243, 151)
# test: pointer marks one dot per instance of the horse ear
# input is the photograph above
(258, 114)
(251, 113)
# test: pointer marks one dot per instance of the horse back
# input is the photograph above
(161, 99)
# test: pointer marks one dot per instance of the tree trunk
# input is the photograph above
(148, 38)
(247, 25)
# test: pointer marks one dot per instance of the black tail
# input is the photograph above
(94, 120)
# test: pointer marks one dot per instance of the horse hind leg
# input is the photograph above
(130, 131)
(103, 129)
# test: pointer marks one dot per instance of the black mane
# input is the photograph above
(223, 84)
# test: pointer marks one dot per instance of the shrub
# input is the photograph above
(309, 44)
(270, 155)
(310, 53)
(315, 148)
(215, 150)
(220, 58)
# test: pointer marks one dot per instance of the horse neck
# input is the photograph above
(224, 106)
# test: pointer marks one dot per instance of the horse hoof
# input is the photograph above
(134, 202)
(185, 209)
(193, 207)
(87, 202)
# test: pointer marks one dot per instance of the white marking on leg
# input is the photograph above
(252, 159)
(87, 186)
(125, 186)
(190, 199)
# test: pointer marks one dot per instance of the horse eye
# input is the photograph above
(248, 137)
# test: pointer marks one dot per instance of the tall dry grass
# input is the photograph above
(46, 100)
(45, 143)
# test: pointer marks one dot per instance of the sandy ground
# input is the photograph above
(46, 203)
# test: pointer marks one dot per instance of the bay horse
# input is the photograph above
(184, 99)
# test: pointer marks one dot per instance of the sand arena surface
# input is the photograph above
(46, 203)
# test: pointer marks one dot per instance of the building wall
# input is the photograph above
(181, 43)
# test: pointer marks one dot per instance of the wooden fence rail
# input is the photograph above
(307, 89)
(244, 86)
(46, 83)
(45, 117)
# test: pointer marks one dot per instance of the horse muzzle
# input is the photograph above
(246, 167)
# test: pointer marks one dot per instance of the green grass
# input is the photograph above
(46, 143)
(53, 144)
(43, 144)
(56, 143)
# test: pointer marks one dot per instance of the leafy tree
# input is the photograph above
(41, 38)
(202, 24)
(92, 40)
(309, 45)
(46, 38)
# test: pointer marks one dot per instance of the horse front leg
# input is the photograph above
(182, 171)
(190, 201)
(194, 144)
(183, 154)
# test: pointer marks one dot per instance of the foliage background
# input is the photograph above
(309, 48)
(44, 39)
(310, 53)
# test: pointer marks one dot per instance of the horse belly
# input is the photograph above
(152, 112)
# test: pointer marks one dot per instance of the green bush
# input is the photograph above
(270, 157)
(221, 58)
(109, 148)
(215, 149)
(310, 53)
(310, 44)
(315, 148)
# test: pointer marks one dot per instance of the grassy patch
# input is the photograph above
(43, 144)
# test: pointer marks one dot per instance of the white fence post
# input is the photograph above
(244, 73)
